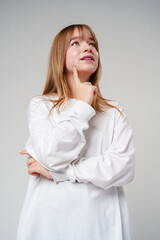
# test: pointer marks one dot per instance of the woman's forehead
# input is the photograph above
(81, 33)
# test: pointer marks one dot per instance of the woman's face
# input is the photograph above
(78, 49)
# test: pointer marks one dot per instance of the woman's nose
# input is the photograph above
(86, 47)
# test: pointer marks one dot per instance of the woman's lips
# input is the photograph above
(88, 58)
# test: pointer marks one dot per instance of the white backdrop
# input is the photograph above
(129, 37)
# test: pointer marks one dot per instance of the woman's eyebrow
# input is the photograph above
(90, 38)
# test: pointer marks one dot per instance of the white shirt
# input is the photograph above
(90, 158)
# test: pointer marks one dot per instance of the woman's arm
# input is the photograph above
(115, 167)
(55, 147)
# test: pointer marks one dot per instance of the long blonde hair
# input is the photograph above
(56, 82)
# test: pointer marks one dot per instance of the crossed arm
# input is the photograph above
(64, 142)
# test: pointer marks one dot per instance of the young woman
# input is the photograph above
(80, 150)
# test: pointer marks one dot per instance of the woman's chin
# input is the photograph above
(86, 71)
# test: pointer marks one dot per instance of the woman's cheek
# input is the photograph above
(69, 63)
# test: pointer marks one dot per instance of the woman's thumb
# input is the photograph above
(75, 74)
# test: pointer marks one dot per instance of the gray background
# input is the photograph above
(129, 37)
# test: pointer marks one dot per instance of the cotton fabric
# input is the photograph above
(91, 157)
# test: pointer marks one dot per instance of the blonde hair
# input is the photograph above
(56, 82)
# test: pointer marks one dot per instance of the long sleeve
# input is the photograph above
(115, 167)
(56, 145)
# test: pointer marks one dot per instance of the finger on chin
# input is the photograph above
(74, 71)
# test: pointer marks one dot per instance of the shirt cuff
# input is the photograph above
(85, 110)
(64, 175)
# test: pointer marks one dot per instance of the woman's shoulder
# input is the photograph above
(42, 98)
(116, 111)
(116, 105)
(40, 104)
(43, 102)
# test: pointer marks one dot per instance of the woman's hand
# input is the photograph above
(35, 168)
(84, 91)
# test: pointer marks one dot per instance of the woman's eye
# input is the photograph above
(75, 43)
(93, 44)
